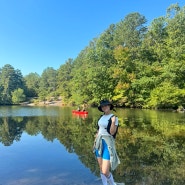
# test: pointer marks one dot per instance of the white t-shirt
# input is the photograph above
(103, 123)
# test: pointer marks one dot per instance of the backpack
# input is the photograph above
(109, 125)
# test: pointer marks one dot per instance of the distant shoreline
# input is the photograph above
(60, 104)
(44, 103)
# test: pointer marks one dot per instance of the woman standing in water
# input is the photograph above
(104, 145)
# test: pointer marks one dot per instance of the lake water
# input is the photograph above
(51, 146)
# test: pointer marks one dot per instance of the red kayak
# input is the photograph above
(79, 112)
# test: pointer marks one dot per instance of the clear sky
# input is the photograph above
(36, 34)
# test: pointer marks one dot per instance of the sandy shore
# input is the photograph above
(46, 103)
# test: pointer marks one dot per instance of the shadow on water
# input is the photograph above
(150, 144)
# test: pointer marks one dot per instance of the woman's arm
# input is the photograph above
(113, 127)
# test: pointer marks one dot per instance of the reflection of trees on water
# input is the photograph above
(11, 129)
(151, 152)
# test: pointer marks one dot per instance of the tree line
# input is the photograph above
(131, 63)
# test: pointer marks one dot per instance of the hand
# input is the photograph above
(113, 119)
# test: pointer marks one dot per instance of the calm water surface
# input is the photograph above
(51, 146)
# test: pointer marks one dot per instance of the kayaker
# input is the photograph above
(84, 106)
(104, 144)
(78, 109)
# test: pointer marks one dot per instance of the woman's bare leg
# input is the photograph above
(105, 169)
(105, 166)
(103, 176)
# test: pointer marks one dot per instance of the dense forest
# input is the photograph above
(131, 63)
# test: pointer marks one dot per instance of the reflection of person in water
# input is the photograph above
(104, 145)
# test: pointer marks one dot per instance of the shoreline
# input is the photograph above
(44, 103)
(60, 104)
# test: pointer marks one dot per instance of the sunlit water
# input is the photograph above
(34, 160)
(51, 146)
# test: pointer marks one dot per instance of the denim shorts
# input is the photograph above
(105, 152)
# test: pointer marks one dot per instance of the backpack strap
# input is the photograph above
(109, 125)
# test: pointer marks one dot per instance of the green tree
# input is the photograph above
(18, 96)
(64, 77)
(166, 96)
(130, 31)
(32, 84)
(10, 79)
(154, 45)
(48, 85)
(176, 31)
(81, 89)
(122, 73)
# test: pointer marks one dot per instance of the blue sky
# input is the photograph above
(36, 34)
